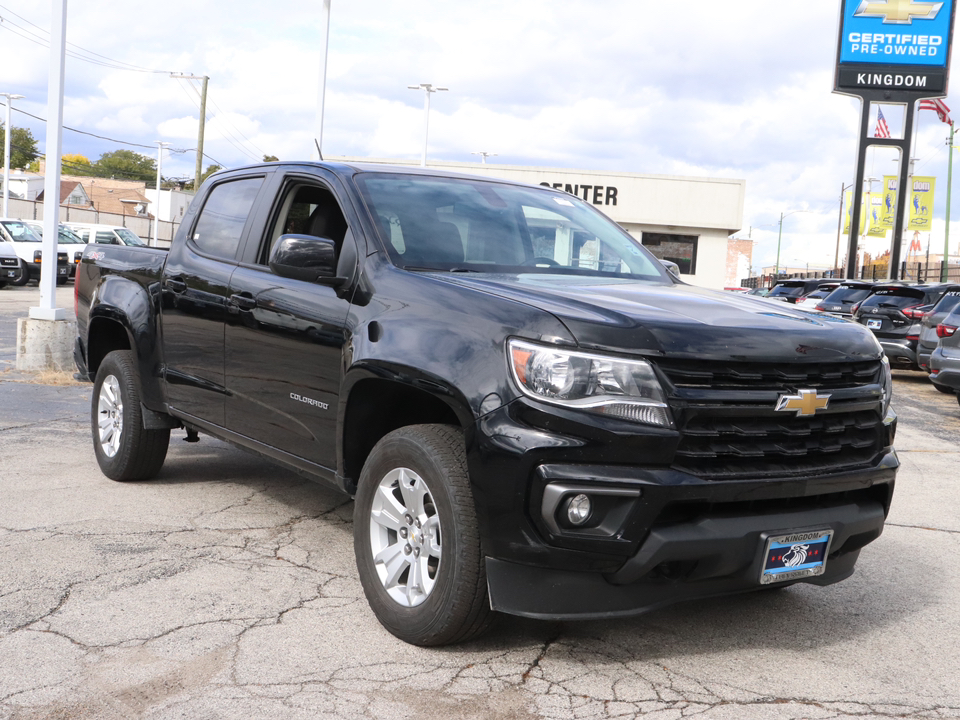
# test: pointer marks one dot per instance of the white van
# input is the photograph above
(106, 234)
(11, 271)
(28, 248)
(67, 242)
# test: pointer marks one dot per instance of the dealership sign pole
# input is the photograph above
(891, 52)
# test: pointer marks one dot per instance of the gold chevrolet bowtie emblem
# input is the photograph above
(805, 402)
(899, 12)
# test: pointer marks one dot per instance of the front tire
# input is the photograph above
(24, 275)
(416, 538)
(124, 449)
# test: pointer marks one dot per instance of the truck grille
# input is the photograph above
(9, 262)
(730, 430)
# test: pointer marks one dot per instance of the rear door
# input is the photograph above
(196, 283)
(285, 338)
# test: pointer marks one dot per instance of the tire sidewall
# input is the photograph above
(429, 617)
(118, 364)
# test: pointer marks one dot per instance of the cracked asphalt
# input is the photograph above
(226, 588)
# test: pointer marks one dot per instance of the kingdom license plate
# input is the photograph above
(61, 271)
(874, 324)
(795, 555)
(11, 273)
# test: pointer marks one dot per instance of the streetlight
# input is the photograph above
(6, 152)
(483, 156)
(427, 90)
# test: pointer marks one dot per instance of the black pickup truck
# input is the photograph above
(532, 415)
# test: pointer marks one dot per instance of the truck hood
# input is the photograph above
(680, 320)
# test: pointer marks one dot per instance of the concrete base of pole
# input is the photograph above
(45, 345)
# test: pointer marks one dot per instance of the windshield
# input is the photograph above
(68, 237)
(436, 223)
(129, 237)
(848, 294)
(19, 231)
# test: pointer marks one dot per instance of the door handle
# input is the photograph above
(177, 286)
(244, 302)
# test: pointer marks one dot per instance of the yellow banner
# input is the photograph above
(873, 207)
(864, 211)
(921, 202)
(889, 200)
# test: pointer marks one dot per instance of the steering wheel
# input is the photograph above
(541, 261)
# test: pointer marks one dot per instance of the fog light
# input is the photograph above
(578, 509)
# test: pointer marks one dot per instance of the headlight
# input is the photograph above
(886, 385)
(625, 389)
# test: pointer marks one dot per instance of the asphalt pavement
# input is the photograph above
(226, 588)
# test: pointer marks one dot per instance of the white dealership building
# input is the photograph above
(688, 220)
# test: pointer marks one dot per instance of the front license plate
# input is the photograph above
(61, 271)
(11, 273)
(795, 555)
(874, 324)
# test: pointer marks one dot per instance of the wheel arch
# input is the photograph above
(378, 400)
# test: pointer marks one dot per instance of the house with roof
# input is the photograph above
(71, 193)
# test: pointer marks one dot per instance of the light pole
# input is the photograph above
(6, 152)
(427, 90)
(483, 156)
(836, 255)
(323, 78)
(156, 210)
(946, 232)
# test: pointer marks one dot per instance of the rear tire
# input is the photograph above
(124, 449)
(416, 538)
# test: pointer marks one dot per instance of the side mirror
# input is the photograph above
(672, 268)
(307, 258)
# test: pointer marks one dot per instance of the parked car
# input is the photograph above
(759, 292)
(845, 296)
(929, 339)
(68, 242)
(792, 290)
(812, 299)
(529, 425)
(11, 269)
(28, 248)
(945, 359)
(106, 234)
(893, 312)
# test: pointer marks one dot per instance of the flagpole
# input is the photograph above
(946, 232)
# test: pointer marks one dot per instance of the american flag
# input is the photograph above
(882, 130)
(939, 107)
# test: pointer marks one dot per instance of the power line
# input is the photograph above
(99, 137)
(33, 37)
(237, 144)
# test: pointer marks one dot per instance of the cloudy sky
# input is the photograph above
(703, 88)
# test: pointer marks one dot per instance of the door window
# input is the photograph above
(224, 215)
(106, 237)
(307, 210)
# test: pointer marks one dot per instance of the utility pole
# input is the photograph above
(156, 210)
(203, 118)
(6, 153)
(483, 156)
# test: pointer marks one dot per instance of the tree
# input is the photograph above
(23, 147)
(211, 169)
(126, 165)
(76, 164)
(271, 158)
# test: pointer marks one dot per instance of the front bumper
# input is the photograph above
(660, 535)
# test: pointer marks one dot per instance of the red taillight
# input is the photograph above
(821, 307)
(853, 310)
(76, 300)
(945, 330)
(914, 313)
(913, 337)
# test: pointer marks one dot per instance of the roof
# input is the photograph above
(66, 189)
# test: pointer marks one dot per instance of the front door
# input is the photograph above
(285, 338)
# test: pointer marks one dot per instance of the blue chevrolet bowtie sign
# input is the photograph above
(895, 44)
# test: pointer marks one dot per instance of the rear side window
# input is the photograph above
(224, 215)
(106, 237)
